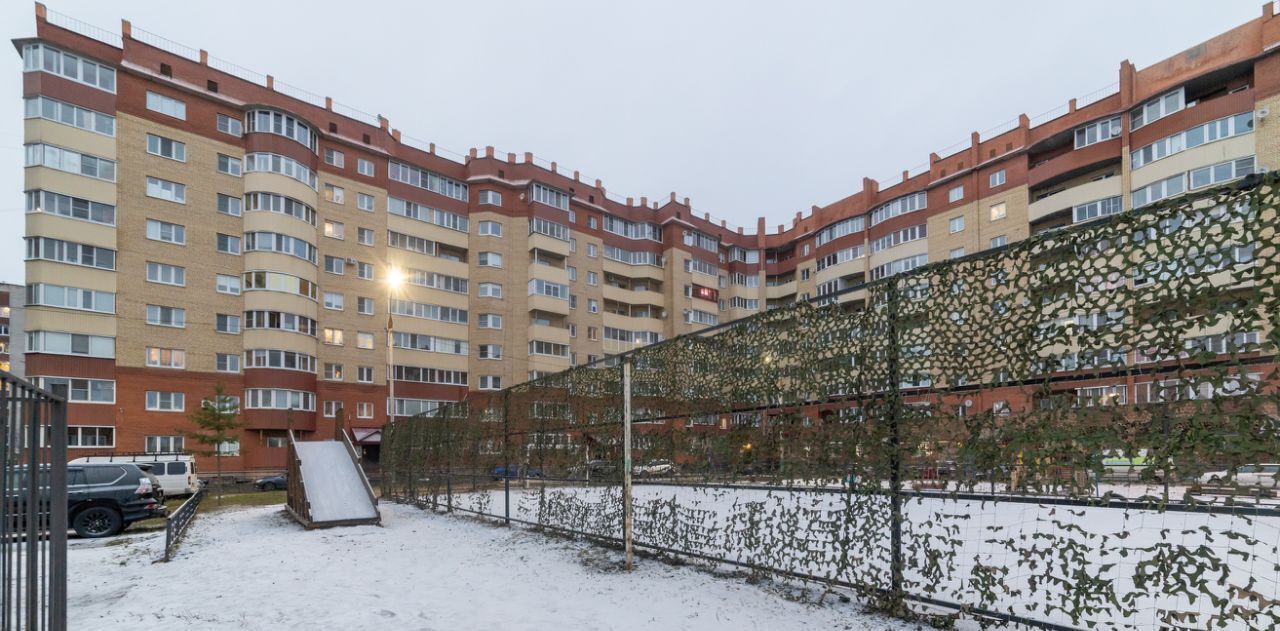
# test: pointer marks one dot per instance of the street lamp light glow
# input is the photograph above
(394, 278)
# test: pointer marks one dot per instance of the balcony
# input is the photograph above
(1075, 162)
(632, 271)
(773, 292)
(549, 304)
(539, 241)
(549, 333)
(1067, 199)
(633, 296)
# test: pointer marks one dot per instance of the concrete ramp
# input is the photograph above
(327, 487)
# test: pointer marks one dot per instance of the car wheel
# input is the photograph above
(97, 521)
(270, 486)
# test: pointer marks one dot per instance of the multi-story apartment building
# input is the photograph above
(11, 322)
(192, 223)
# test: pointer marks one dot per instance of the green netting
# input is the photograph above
(1077, 430)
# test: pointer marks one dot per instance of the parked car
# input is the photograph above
(270, 483)
(655, 468)
(176, 471)
(1259, 475)
(512, 472)
(593, 468)
(104, 499)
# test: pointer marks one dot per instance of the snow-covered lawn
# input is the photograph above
(248, 569)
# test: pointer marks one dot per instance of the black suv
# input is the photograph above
(103, 499)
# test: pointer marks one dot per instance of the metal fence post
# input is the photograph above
(626, 461)
(506, 456)
(895, 409)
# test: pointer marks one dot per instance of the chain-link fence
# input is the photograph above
(1076, 431)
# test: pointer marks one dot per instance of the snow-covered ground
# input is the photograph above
(252, 568)
(1046, 549)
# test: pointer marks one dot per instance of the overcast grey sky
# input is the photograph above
(748, 108)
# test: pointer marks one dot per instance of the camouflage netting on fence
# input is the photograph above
(1075, 430)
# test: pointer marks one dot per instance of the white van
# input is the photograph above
(176, 472)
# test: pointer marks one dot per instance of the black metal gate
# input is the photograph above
(33, 526)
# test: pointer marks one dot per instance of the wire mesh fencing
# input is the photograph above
(1075, 431)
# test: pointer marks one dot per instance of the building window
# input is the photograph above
(73, 207)
(1156, 109)
(166, 105)
(333, 337)
(489, 259)
(272, 122)
(333, 301)
(332, 371)
(227, 323)
(229, 165)
(224, 284)
(491, 198)
(999, 241)
(364, 409)
(573, 272)
(428, 180)
(364, 167)
(166, 316)
(489, 321)
(227, 362)
(68, 114)
(364, 201)
(228, 244)
(42, 57)
(276, 163)
(166, 148)
(955, 194)
(593, 279)
(335, 194)
(956, 224)
(166, 190)
(166, 357)
(335, 158)
(330, 408)
(490, 228)
(364, 340)
(229, 125)
(364, 306)
(364, 374)
(490, 382)
(229, 205)
(364, 236)
(490, 290)
(550, 196)
(166, 232)
(277, 442)
(592, 305)
(91, 436)
(1097, 208)
(592, 250)
(490, 351)
(70, 162)
(998, 211)
(1097, 132)
(334, 230)
(165, 444)
(166, 274)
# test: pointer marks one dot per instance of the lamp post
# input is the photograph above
(395, 279)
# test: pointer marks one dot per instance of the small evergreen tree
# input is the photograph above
(218, 420)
